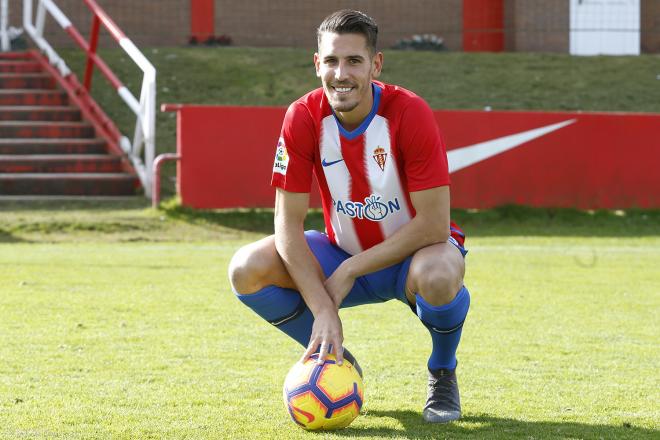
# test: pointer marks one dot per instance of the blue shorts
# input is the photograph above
(379, 286)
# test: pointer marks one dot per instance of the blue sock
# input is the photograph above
(445, 324)
(284, 308)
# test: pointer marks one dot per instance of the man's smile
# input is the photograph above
(343, 89)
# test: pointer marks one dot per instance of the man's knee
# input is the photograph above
(246, 268)
(437, 278)
(255, 266)
(438, 286)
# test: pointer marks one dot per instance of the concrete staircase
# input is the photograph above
(46, 148)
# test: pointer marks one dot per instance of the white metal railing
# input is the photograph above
(144, 108)
(4, 26)
(7, 33)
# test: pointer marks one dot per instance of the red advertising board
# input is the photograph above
(544, 159)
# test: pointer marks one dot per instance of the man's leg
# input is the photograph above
(435, 287)
(260, 280)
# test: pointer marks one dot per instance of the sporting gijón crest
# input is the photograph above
(380, 156)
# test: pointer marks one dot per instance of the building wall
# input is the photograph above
(650, 26)
(146, 22)
(294, 22)
(530, 25)
(537, 25)
(259, 22)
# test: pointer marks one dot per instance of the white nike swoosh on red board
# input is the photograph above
(463, 157)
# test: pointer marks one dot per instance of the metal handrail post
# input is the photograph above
(93, 42)
(4, 26)
(40, 21)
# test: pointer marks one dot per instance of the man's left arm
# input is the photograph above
(429, 226)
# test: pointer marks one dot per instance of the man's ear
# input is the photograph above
(377, 66)
(317, 64)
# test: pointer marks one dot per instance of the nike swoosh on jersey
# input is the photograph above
(469, 155)
(327, 164)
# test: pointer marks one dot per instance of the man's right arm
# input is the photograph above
(290, 212)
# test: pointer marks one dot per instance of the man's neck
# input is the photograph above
(352, 120)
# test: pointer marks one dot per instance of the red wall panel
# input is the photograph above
(483, 25)
(598, 161)
(593, 160)
(202, 19)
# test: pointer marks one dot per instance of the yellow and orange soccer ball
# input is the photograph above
(326, 396)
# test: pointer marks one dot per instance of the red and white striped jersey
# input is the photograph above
(366, 175)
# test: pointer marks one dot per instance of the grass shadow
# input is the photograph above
(496, 222)
(8, 237)
(485, 426)
(516, 220)
(250, 220)
(90, 204)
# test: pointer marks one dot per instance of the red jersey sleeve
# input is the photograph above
(422, 148)
(294, 156)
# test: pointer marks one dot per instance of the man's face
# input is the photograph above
(346, 68)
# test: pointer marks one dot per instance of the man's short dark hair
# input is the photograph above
(348, 21)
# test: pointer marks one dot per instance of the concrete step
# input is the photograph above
(26, 81)
(39, 113)
(69, 184)
(15, 56)
(33, 97)
(60, 163)
(46, 150)
(45, 199)
(53, 146)
(45, 129)
(24, 66)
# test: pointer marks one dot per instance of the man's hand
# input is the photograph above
(290, 212)
(339, 284)
(326, 332)
(327, 329)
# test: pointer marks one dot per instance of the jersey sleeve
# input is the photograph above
(422, 148)
(294, 156)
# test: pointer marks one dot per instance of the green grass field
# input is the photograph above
(118, 322)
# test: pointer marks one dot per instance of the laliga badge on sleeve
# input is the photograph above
(281, 158)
